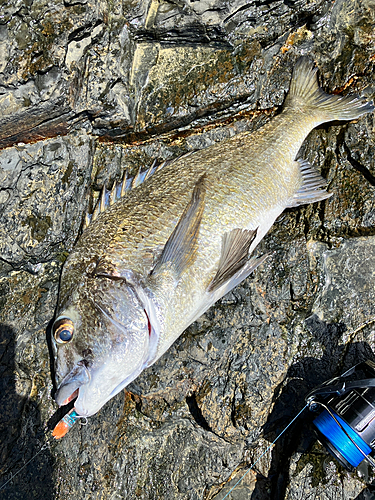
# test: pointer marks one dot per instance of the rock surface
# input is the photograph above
(89, 88)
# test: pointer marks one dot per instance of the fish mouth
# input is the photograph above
(70, 398)
(71, 384)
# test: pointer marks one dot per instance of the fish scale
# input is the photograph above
(151, 262)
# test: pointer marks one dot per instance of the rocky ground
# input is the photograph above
(92, 87)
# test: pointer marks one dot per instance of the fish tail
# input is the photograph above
(305, 93)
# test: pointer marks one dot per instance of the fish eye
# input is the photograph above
(63, 330)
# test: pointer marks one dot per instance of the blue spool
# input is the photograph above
(337, 437)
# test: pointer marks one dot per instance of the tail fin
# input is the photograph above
(305, 92)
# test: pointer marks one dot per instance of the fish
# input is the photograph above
(159, 253)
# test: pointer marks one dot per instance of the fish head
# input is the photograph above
(101, 342)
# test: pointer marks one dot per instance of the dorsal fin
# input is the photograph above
(123, 184)
(112, 195)
(103, 199)
(119, 190)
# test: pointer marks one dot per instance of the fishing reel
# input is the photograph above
(346, 422)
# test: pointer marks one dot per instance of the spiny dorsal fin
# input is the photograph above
(138, 178)
(86, 222)
(313, 186)
(108, 198)
(96, 212)
(180, 249)
(112, 195)
(123, 184)
(234, 255)
(154, 165)
(103, 199)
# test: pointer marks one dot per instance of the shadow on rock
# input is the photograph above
(303, 377)
(21, 435)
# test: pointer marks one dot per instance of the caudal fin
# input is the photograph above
(305, 92)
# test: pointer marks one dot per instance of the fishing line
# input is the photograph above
(269, 447)
(12, 476)
(50, 440)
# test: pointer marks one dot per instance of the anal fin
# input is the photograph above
(234, 256)
(313, 186)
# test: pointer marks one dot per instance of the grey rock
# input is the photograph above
(46, 185)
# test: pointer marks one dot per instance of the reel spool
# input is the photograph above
(346, 423)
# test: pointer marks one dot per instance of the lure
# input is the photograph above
(65, 424)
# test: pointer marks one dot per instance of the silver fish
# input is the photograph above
(156, 259)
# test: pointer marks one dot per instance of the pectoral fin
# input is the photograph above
(313, 187)
(180, 249)
(234, 257)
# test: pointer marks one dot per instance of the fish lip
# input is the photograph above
(70, 385)
(71, 397)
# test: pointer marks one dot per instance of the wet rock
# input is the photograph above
(90, 88)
